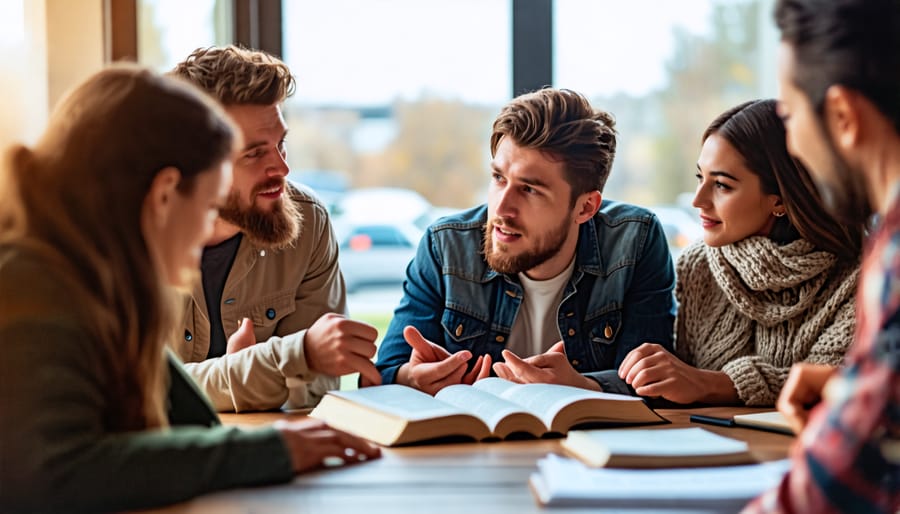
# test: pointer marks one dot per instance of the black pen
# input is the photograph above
(709, 420)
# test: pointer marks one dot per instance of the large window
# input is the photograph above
(21, 87)
(665, 76)
(397, 93)
(401, 93)
(169, 30)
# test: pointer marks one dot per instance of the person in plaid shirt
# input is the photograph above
(839, 78)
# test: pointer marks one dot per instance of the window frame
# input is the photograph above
(257, 24)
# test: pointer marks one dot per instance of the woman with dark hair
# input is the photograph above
(772, 283)
(98, 221)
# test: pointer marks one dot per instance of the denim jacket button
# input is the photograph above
(607, 332)
(499, 339)
(571, 331)
(459, 330)
(575, 362)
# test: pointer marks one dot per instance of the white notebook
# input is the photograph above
(561, 481)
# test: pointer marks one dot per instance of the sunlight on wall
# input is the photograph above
(23, 70)
(74, 44)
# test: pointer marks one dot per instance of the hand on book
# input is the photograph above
(551, 367)
(311, 442)
(801, 391)
(242, 338)
(335, 345)
(654, 372)
(431, 367)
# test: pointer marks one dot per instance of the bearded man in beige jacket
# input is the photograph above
(266, 323)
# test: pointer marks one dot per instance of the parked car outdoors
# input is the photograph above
(378, 231)
(387, 204)
(377, 253)
(680, 227)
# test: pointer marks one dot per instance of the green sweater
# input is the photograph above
(56, 454)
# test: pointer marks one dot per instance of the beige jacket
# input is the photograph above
(283, 292)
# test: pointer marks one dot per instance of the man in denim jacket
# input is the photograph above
(546, 259)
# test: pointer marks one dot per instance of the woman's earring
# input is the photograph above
(778, 214)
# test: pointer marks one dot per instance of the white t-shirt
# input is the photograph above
(536, 329)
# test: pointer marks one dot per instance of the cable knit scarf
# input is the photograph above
(754, 308)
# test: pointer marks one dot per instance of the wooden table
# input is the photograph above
(463, 478)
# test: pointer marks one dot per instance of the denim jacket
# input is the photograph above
(619, 295)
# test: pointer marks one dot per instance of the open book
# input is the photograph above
(566, 482)
(772, 421)
(645, 448)
(491, 408)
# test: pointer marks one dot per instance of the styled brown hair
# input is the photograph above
(754, 129)
(237, 76)
(562, 124)
(76, 200)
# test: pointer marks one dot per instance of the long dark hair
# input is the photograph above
(754, 129)
(76, 199)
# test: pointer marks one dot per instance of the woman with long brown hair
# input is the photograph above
(772, 283)
(98, 220)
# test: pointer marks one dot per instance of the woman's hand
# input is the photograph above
(311, 442)
(654, 372)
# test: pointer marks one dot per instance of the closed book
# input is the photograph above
(647, 448)
(772, 421)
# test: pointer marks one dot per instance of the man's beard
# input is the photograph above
(546, 247)
(274, 229)
(843, 190)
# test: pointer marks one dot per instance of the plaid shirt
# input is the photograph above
(848, 457)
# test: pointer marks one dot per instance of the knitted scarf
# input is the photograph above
(754, 308)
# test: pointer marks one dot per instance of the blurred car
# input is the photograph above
(680, 227)
(376, 253)
(385, 204)
(378, 231)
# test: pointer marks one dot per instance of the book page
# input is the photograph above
(401, 401)
(495, 385)
(482, 404)
(544, 400)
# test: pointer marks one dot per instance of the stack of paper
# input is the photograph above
(560, 481)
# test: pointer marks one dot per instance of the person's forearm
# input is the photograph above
(402, 376)
(718, 386)
(586, 382)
